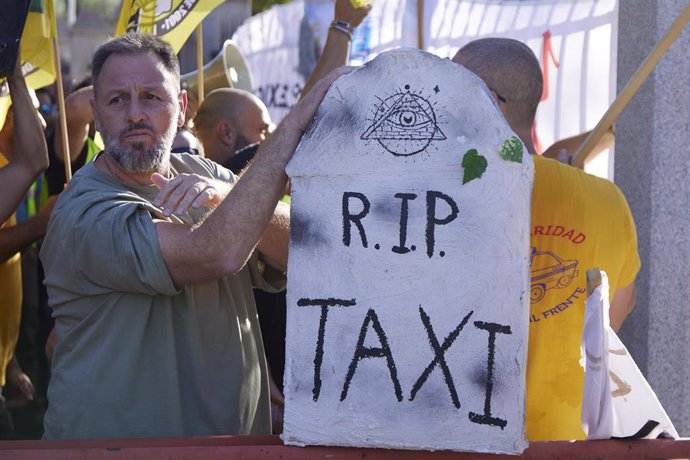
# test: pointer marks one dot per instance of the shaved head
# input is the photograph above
(511, 70)
(230, 119)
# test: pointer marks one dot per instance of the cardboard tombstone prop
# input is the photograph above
(408, 282)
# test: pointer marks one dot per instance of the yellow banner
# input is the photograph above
(172, 20)
(37, 44)
(36, 51)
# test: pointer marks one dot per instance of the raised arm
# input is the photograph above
(222, 244)
(564, 149)
(275, 239)
(336, 51)
(17, 237)
(30, 151)
(79, 116)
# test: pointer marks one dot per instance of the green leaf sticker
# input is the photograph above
(474, 165)
(511, 150)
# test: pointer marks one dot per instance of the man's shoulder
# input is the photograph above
(572, 182)
(188, 163)
(187, 160)
(94, 197)
(91, 206)
(90, 183)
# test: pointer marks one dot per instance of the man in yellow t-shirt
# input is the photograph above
(578, 222)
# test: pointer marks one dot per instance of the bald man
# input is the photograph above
(579, 222)
(228, 120)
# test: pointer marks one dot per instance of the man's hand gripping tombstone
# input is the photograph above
(247, 218)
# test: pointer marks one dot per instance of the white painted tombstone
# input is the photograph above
(408, 282)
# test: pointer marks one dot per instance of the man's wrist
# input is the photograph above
(343, 27)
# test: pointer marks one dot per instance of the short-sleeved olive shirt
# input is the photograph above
(138, 356)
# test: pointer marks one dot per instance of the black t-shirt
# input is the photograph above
(55, 174)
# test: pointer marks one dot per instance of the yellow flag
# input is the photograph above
(37, 44)
(36, 51)
(171, 20)
(4, 107)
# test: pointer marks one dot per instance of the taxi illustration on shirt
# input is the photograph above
(548, 271)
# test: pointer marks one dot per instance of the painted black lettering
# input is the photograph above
(486, 418)
(349, 218)
(282, 102)
(318, 356)
(432, 221)
(405, 197)
(362, 352)
(439, 356)
(272, 89)
(296, 91)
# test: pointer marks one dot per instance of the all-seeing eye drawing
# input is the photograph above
(404, 123)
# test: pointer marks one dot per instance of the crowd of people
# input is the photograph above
(158, 253)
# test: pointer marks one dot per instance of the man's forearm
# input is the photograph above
(14, 239)
(79, 116)
(335, 54)
(222, 244)
(16, 180)
(31, 150)
(276, 238)
(336, 51)
(224, 241)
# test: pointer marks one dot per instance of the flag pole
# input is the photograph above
(66, 158)
(420, 24)
(200, 63)
(631, 88)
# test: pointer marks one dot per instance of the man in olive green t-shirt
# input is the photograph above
(151, 291)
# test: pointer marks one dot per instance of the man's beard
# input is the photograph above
(137, 158)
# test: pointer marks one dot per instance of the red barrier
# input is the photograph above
(271, 447)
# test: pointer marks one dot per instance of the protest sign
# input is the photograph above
(409, 264)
